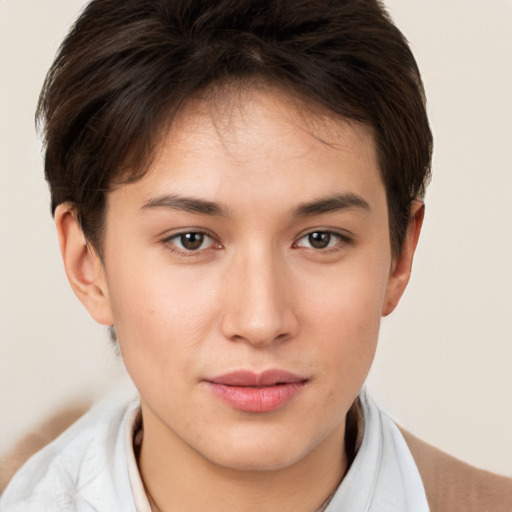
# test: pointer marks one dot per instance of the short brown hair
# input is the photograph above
(127, 66)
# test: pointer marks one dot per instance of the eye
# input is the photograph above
(193, 241)
(321, 240)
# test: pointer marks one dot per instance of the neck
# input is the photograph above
(178, 478)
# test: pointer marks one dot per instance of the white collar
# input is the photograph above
(92, 467)
(132, 429)
(382, 478)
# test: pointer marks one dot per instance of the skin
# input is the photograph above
(255, 295)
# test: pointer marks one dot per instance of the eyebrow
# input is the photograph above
(186, 204)
(332, 204)
(204, 207)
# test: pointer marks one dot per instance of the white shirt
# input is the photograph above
(91, 467)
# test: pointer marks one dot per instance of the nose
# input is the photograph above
(258, 301)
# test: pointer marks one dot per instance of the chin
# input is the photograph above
(256, 460)
(266, 450)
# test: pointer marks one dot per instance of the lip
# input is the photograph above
(256, 392)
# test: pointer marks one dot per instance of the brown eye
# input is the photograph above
(192, 241)
(319, 239)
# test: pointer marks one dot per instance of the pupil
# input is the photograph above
(192, 241)
(319, 240)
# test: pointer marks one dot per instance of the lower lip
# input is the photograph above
(257, 399)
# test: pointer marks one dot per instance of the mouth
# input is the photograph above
(257, 392)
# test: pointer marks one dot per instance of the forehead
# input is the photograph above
(233, 110)
(260, 142)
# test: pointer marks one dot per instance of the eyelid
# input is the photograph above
(344, 237)
(168, 242)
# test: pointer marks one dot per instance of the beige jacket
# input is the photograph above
(454, 486)
(450, 485)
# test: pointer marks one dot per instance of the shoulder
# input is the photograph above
(36, 439)
(74, 471)
(454, 486)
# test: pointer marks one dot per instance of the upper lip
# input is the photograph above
(244, 378)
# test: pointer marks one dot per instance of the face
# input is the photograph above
(246, 274)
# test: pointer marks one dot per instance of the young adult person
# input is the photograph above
(237, 189)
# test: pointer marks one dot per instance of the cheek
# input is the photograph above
(161, 319)
(343, 316)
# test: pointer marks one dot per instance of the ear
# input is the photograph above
(83, 266)
(402, 265)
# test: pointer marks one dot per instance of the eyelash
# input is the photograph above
(170, 242)
(342, 240)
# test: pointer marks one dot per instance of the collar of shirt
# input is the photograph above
(382, 478)
(92, 468)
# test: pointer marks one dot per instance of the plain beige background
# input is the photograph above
(443, 366)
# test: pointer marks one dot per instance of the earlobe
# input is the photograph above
(84, 268)
(401, 268)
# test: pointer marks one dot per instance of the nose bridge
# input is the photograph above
(258, 308)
